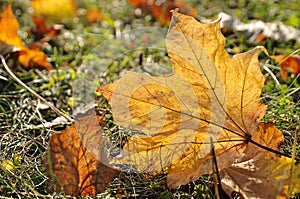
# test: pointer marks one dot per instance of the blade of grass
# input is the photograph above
(292, 163)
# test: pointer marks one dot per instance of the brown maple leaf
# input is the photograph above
(209, 95)
(9, 35)
(76, 160)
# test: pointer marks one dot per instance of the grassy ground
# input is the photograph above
(82, 47)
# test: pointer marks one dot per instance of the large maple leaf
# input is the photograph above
(209, 96)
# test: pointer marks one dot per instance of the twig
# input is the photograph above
(56, 110)
(294, 91)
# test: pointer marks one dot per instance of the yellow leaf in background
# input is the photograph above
(8, 165)
(53, 10)
(11, 165)
(17, 159)
(71, 102)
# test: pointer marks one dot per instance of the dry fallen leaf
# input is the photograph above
(260, 173)
(160, 10)
(53, 10)
(210, 95)
(76, 159)
(9, 35)
(287, 62)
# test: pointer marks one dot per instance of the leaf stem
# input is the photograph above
(56, 110)
(273, 150)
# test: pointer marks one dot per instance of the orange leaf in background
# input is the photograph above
(9, 28)
(35, 58)
(42, 31)
(93, 15)
(260, 37)
(9, 35)
(76, 159)
(53, 10)
(287, 62)
(160, 10)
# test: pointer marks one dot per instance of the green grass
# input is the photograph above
(23, 139)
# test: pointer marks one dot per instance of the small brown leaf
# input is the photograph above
(76, 159)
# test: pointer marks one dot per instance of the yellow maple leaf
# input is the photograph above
(198, 101)
(209, 95)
